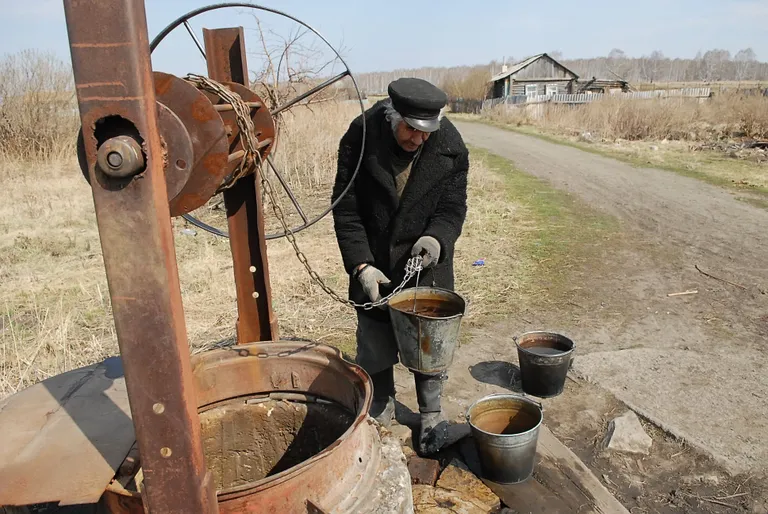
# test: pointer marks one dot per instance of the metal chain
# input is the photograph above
(244, 122)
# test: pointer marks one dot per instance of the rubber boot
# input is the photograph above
(383, 404)
(433, 432)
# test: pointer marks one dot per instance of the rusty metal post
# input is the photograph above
(122, 148)
(225, 53)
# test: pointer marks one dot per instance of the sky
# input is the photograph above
(409, 34)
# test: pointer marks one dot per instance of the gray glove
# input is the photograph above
(429, 248)
(370, 278)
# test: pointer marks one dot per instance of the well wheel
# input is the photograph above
(307, 221)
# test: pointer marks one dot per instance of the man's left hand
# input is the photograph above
(429, 248)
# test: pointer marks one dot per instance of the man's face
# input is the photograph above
(409, 138)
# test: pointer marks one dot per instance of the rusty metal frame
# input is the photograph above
(115, 91)
(123, 153)
(225, 56)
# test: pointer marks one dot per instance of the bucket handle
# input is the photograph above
(521, 396)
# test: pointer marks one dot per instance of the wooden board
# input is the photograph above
(560, 483)
(64, 438)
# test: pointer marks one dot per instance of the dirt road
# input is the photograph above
(693, 364)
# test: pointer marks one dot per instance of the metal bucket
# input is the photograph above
(505, 428)
(428, 337)
(544, 361)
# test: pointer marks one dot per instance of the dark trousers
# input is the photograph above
(377, 353)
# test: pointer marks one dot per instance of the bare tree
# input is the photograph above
(38, 110)
(616, 53)
(715, 63)
(618, 64)
(657, 58)
(706, 66)
(744, 59)
(473, 86)
(291, 65)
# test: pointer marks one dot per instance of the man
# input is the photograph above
(409, 198)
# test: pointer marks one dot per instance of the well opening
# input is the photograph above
(245, 442)
(278, 417)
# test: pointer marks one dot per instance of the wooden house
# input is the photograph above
(537, 75)
(595, 85)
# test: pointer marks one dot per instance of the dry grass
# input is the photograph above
(53, 292)
(38, 109)
(722, 117)
(717, 85)
(55, 304)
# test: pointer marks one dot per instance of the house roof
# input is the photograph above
(522, 64)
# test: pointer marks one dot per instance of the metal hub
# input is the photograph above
(120, 157)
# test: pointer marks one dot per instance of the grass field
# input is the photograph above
(716, 86)
(55, 303)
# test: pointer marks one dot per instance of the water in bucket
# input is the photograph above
(426, 323)
(544, 361)
(505, 429)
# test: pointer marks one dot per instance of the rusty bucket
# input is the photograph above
(426, 322)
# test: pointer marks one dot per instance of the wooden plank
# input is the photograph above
(560, 482)
(64, 438)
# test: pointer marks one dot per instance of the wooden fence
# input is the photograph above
(582, 98)
(465, 106)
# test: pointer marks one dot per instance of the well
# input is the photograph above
(278, 417)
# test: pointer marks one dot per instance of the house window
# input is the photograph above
(551, 89)
(531, 89)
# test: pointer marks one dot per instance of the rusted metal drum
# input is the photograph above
(426, 322)
(293, 411)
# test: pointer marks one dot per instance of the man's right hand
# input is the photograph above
(370, 278)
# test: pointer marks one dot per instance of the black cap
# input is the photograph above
(419, 102)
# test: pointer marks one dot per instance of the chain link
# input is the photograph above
(244, 123)
(253, 158)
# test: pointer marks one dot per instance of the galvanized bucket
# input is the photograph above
(428, 337)
(545, 358)
(505, 428)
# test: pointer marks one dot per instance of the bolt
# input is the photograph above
(115, 160)
(165, 452)
(120, 157)
(159, 408)
(255, 294)
(253, 269)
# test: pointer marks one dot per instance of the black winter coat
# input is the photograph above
(373, 226)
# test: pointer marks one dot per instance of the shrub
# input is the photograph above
(38, 108)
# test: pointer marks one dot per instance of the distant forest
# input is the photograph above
(711, 66)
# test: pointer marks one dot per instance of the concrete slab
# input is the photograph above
(691, 395)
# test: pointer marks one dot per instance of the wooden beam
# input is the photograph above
(559, 79)
(561, 482)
